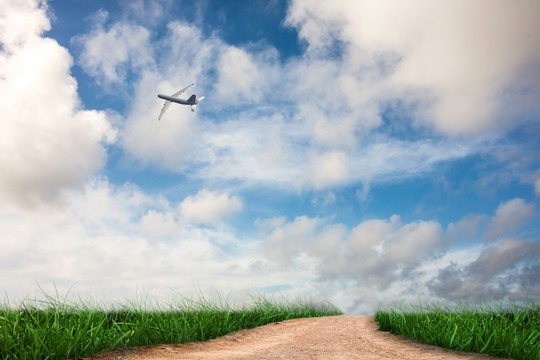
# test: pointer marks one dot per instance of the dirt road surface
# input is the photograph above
(342, 337)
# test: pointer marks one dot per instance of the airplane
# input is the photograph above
(192, 101)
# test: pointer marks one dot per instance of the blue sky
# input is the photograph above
(353, 151)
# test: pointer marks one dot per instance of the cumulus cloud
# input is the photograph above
(302, 237)
(208, 207)
(502, 271)
(245, 77)
(504, 267)
(374, 253)
(336, 105)
(48, 142)
(466, 230)
(373, 263)
(108, 54)
(328, 169)
(387, 259)
(114, 241)
(159, 224)
(451, 58)
(378, 250)
(509, 217)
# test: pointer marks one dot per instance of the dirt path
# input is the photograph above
(330, 338)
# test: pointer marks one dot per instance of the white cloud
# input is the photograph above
(107, 55)
(18, 15)
(309, 113)
(208, 207)
(47, 141)
(537, 187)
(368, 234)
(112, 241)
(258, 149)
(328, 169)
(319, 103)
(165, 143)
(509, 216)
(117, 241)
(288, 242)
(337, 105)
(244, 77)
(373, 254)
(377, 248)
(99, 205)
(451, 56)
(392, 261)
(187, 51)
(324, 200)
(466, 230)
(413, 240)
(270, 150)
(160, 225)
(147, 12)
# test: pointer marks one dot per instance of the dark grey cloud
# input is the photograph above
(529, 278)
(506, 270)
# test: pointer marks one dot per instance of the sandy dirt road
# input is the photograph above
(342, 337)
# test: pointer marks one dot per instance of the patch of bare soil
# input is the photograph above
(342, 337)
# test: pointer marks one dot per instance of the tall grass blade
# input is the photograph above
(453, 336)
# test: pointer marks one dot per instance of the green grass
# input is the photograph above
(52, 329)
(511, 331)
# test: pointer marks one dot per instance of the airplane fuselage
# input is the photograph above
(191, 101)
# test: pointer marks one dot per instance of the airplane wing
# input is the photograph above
(181, 91)
(168, 103)
(164, 108)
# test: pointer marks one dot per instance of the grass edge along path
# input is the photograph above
(510, 331)
(51, 329)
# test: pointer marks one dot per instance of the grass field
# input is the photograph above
(511, 331)
(51, 329)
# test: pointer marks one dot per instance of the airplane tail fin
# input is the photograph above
(192, 99)
(194, 106)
